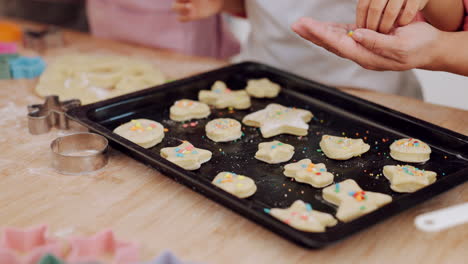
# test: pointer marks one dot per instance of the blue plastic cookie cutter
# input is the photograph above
(26, 67)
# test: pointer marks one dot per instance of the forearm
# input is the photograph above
(451, 54)
(446, 15)
(236, 7)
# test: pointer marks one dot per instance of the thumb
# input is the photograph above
(373, 40)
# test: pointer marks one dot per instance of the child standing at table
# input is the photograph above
(271, 41)
(153, 23)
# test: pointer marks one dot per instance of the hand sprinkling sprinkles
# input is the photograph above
(408, 179)
(302, 217)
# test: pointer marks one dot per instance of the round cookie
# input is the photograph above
(342, 148)
(410, 150)
(223, 130)
(274, 152)
(144, 132)
(237, 185)
(263, 88)
(184, 110)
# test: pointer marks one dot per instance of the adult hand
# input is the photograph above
(382, 15)
(412, 46)
(189, 10)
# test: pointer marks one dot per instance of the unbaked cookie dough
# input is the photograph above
(237, 185)
(302, 217)
(143, 132)
(408, 179)
(92, 78)
(352, 201)
(410, 150)
(223, 130)
(274, 152)
(342, 148)
(263, 88)
(222, 97)
(184, 110)
(186, 156)
(276, 119)
(307, 172)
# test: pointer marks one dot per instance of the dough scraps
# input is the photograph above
(92, 78)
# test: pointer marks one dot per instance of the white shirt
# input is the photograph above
(272, 42)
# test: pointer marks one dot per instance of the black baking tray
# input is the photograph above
(336, 113)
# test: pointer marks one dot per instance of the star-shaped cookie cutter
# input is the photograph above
(42, 117)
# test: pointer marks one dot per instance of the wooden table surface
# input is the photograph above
(143, 206)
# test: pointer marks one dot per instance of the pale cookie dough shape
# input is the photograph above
(222, 97)
(263, 88)
(408, 179)
(410, 150)
(223, 130)
(237, 185)
(274, 152)
(184, 110)
(352, 201)
(307, 172)
(276, 119)
(144, 132)
(342, 148)
(302, 217)
(186, 156)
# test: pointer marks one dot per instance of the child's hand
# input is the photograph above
(189, 10)
(382, 15)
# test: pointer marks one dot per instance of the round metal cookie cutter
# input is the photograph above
(79, 153)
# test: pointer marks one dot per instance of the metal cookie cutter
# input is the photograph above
(79, 153)
(42, 117)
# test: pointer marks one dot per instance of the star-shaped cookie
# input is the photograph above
(184, 110)
(27, 245)
(222, 97)
(302, 217)
(263, 88)
(102, 247)
(276, 119)
(410, 150)
(408, 179)
(237, 185)
(342, 148)
(352, 201)
(274, 152)
(307, 172)
(186, 156)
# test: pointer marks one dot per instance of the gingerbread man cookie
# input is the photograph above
(302, 217)
(410, 150)
(307, 172)
(184, 110)
(408, 179)
(144, 132)
(263, 88)
(223, 130)
(276, 119)
(237, 185)
(274, 152)
(342, 148)
(222, 97)
(186, 156)
(352, 201)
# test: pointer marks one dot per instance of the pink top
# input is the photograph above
(153, 23)
(465, 26)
